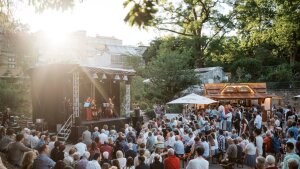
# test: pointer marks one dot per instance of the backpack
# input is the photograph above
(275, 145)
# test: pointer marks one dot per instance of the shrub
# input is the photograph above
(150, 113)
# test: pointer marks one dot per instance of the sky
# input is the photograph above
(97, 17)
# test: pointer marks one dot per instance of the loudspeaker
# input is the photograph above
(76, 132)
(77, 121)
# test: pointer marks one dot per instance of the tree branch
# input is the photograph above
(173, 31)
(215, 34)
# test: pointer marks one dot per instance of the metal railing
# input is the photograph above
(65, 130)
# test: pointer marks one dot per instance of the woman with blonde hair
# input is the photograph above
(121, 159)
(28, 160)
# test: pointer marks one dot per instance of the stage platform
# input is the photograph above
(118, 122)
(109, 121)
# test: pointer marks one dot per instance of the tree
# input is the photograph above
(169, 73)
(186, 18)
(272, 25)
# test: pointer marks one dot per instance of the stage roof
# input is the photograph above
(69, 68)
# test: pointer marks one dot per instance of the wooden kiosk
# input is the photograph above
(245, 94)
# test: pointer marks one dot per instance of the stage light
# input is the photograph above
(125, 78)
(117, 77)
(104, 77)
(95, 76)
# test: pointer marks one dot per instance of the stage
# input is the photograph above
(118, 122)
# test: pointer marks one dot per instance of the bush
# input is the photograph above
(250, 65)
(143, 105)
(175, 108)
(150, 113)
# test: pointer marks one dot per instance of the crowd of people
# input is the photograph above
(225, 134)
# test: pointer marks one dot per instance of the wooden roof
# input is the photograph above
(236, 91)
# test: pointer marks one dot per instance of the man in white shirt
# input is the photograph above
(94, 164)
(277, 122)
(80, 147)
(199, 162)
(259, 141)
(103, 137)
(221, 114)
(228, 120)
(34, 139)
(257, 121)
(171, 140)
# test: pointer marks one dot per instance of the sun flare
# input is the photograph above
(56, 37)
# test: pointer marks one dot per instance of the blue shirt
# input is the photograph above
(206, 149)
(179, 147)
(294, 130)
(290, 156)
(43, 162)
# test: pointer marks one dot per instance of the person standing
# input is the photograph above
(95, 133)
(172, 162)
(88, 109)
(178, 147)
(221, 111)
(94, 164)
(80, 147)
(257, 121)
(229, 120)
(142, 164)
(237, 121)
(250, 151)
(258, 141)
(290, 154)
(6, 116)
(199, 162)
(221, 141)
(87, 137)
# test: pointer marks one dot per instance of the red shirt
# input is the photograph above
(172, 162)
(267, 141)
(107, 148)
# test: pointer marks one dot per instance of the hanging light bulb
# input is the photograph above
(117, 77)
(95, 76)
(104, 77)
(125, 78)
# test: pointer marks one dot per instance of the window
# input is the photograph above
(244, 89)
(12, 66)
(11, 59)
(117, 60)
(230, 89)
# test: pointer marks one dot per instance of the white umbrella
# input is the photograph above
(297, 96)
(192, 99)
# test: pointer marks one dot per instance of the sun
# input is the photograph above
(56, 37)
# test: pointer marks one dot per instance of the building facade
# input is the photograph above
(78, 48)
(211, 75)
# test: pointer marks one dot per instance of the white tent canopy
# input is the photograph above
(297, 96)
(192, 99)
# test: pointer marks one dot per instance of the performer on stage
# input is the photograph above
(88, 109)
(111, 107)
(94, 109)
